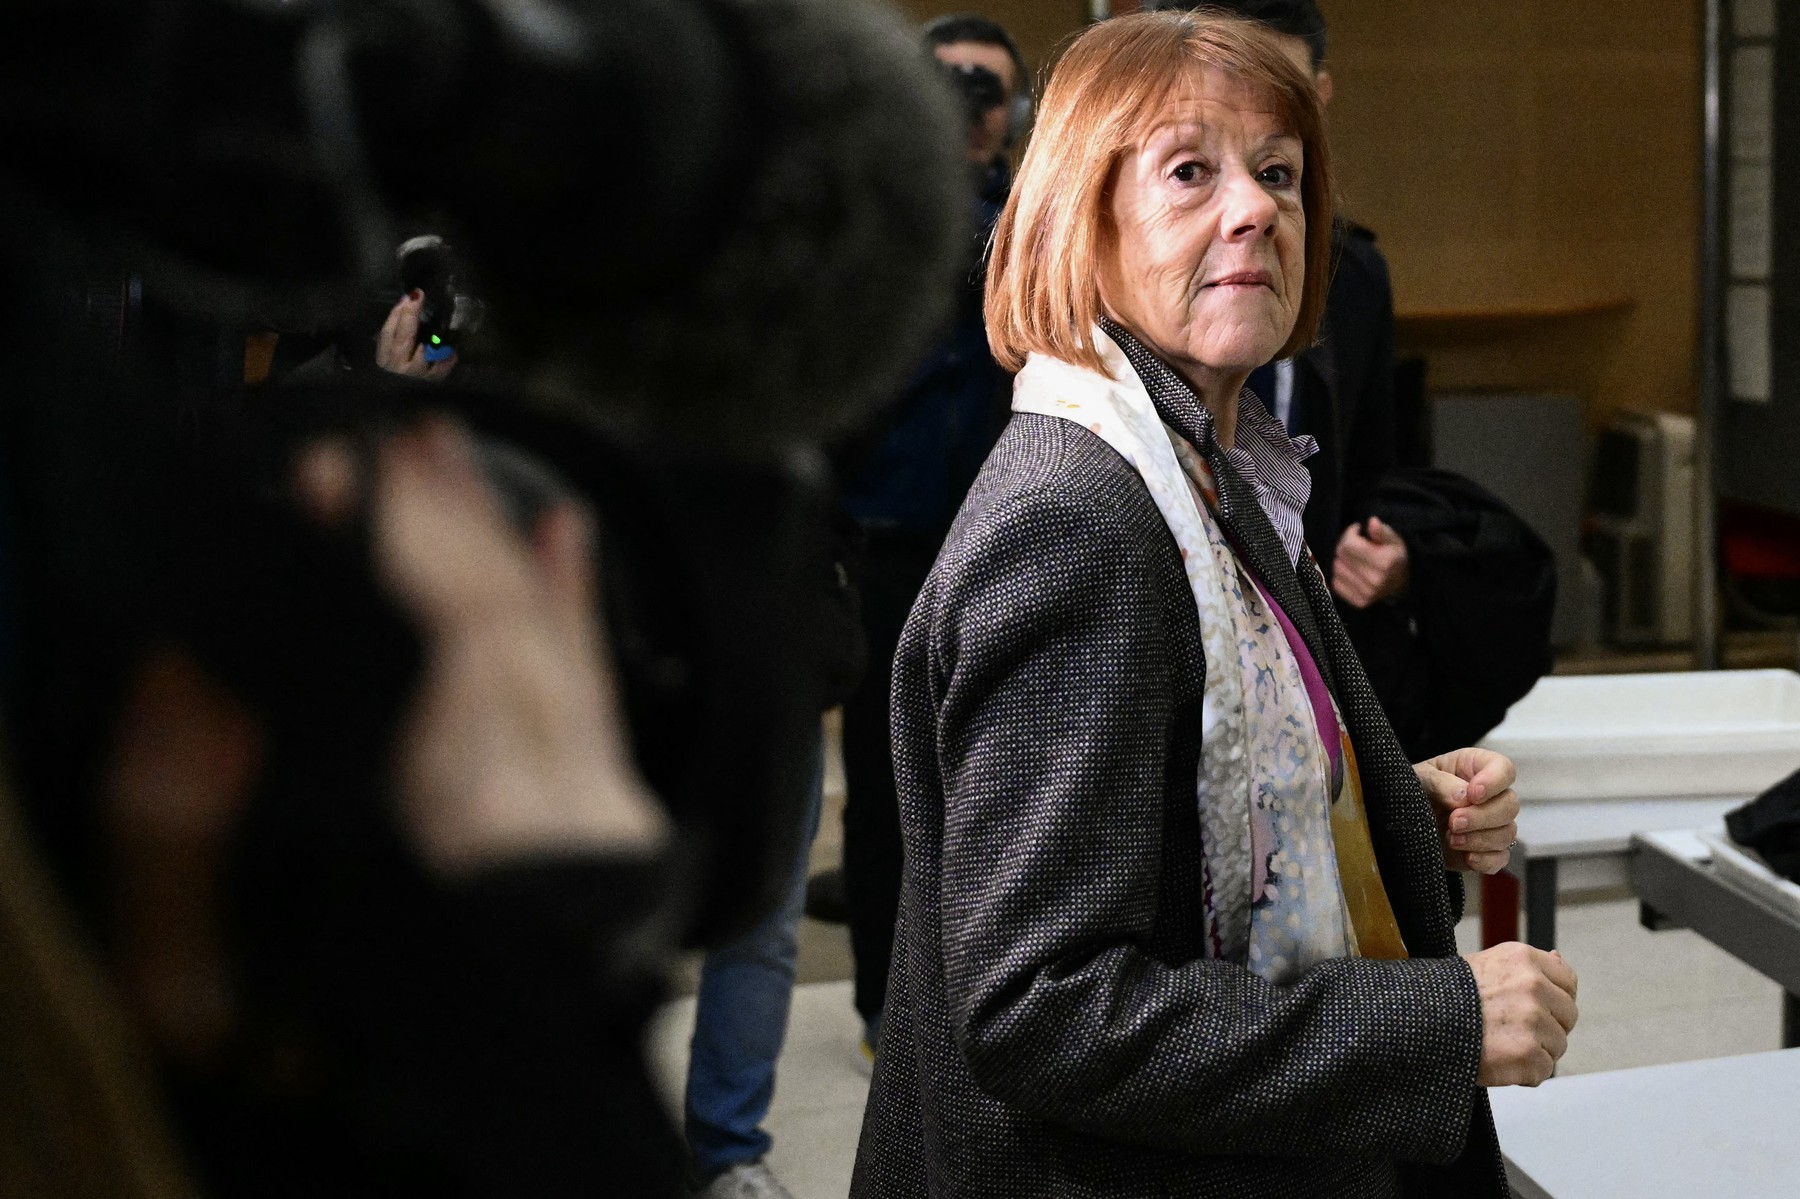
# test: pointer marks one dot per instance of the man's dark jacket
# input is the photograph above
(1345, 390)
(1053, 1027)
(1472, 634)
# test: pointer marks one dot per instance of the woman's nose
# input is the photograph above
(1248, 211)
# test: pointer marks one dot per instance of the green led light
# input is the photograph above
(436, 340)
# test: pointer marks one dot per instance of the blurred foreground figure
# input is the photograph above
(385, 737)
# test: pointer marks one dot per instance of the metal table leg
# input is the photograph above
(1499, 909)
(1540, 903)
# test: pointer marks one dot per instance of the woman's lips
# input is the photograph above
(1245, 279)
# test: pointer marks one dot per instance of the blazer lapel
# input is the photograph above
(1249, 527)
(1400, 817)
(1239, 511)
(1401, 820)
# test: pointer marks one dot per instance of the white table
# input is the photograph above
(1677, 887)
(1694, 1130)
(1591, 751)
(1594, 837)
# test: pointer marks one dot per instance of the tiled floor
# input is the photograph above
(1649, 998)
(819, 1090)
(1645, 998)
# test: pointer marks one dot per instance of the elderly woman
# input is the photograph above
(1176, 918)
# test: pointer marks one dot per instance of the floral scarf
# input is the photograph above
(1274, 754)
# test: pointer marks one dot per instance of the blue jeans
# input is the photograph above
(739, 1024)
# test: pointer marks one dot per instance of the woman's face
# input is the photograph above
(1210, 235)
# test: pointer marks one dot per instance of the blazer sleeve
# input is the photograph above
(1053, 729)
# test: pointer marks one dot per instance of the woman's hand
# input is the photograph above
(397, 347)
(1527, 1012)
(1477, 812)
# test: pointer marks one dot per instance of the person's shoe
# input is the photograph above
(747, 1180)
(826, 899)
(870, 1039)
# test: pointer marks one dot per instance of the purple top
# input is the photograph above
(1324, 714)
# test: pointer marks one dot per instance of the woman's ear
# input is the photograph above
(1322, 85)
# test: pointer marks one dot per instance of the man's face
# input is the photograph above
(987, 139)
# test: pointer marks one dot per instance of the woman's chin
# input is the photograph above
(1238, 360)
(1245, 347)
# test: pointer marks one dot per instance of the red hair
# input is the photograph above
(1043, 290)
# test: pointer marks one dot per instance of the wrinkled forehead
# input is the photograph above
(1204, 98)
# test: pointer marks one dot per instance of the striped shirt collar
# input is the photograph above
(1271, 461)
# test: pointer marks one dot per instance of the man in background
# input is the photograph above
(1444, 591)
(906, 493)
(1341, 390)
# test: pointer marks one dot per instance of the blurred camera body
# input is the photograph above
(979, 89)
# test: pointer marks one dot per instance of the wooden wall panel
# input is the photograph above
(1515, 153)
(1530, 154)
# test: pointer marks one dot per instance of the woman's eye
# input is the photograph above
(1189, 172)
(1276, 175)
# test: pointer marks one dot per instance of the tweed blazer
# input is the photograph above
(1053, 1027)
